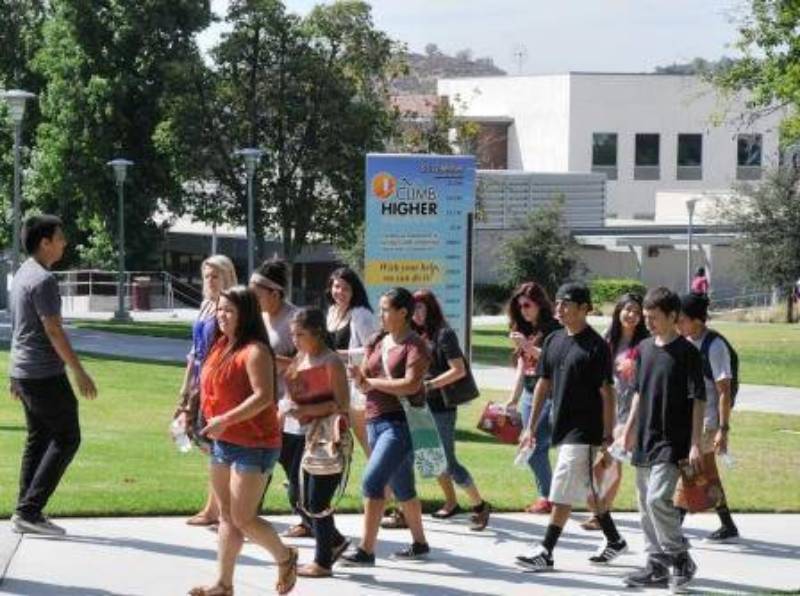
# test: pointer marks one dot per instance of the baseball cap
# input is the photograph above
(574, 292)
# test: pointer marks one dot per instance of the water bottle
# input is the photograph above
(523, 454)
(619, 454)
(178, 431)
(727, 459)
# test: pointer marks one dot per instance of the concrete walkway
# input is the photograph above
(758, 398)
(163, 556)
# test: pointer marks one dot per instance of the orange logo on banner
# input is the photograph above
(384, 185)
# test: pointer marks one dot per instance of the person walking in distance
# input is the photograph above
(575, 366)
(40, 351)
(719, 382)
(664, 427)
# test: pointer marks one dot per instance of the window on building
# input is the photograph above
(647, 157)
(604, 154)
(690, 157)
(748, 157)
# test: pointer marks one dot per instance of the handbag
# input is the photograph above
(329, 446)
(462, 391)
(328, 451)
(698, 491)
(429, 458)
(499, 423)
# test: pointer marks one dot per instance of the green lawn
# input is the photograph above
(769, 353)
(127, 464)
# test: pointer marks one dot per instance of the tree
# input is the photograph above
(109, 68)
(768, 219)
(312, 93)
(543, 251)
(20, 39)
(768, 69)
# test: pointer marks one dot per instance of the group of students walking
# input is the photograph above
(269, 383)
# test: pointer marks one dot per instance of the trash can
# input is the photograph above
(141, 293)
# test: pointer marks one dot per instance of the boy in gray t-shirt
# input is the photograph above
(716, 424)
(39, 352)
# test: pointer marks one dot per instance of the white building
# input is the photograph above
(648, 133)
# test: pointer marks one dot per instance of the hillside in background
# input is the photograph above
(425, 69)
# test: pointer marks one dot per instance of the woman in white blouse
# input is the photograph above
(350, 324)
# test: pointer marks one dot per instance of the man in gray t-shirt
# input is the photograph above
(40, 351)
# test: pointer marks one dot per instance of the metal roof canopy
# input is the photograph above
(624, 242)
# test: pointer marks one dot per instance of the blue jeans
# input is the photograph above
(244, 459)
(446, 424)
(319, 491)
(391, 460)
(539, 460)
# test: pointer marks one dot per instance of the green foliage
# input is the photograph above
(352, 254)
(770, 46)
(311, 92)
(605, 290)
(490, 299)
(108, 68)
(99, 251)
(768, 218)
(543, 251)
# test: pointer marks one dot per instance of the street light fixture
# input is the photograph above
(251, 157)
(120, 167)
(690, 206)
(16, 100)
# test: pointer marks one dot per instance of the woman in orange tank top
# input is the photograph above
(238, 387)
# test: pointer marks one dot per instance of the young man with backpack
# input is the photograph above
(721, 375)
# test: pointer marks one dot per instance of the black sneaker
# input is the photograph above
(652, 576)
(723, 535)
(358, 558)
(683, 572)
(608, 552)
(417, 550)
(539, 560)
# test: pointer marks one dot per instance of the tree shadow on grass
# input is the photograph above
(474, 436)
(14, 428)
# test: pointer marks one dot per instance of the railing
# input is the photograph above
(740, 301)
(93, 289)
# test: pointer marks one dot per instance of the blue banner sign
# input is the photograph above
(416, 228)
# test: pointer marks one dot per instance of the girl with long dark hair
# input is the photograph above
(627, 329)
(350, 324)
(531, 320)
(447, 368)
(239, 403)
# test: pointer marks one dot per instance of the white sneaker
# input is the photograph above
(538, 561)
(42, 526)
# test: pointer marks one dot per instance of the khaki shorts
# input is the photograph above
(572, 477)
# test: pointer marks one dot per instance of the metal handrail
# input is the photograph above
(162, 282)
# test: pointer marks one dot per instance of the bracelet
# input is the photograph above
(725, 428)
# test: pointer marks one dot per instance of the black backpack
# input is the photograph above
(706, 346)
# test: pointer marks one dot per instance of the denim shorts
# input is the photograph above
(391, 460)
(258, 460)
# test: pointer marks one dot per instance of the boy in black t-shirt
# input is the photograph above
(575, 368)
(664, 427)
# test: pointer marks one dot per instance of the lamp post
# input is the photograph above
(251, 157)
(120, 171)
(16, 107)
(690, 205)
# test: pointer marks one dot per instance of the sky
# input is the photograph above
(555, 35)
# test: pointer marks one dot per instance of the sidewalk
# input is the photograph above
(163, 556)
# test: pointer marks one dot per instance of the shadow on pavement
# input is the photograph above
(22, 586)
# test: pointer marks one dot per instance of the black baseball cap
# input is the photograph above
(574, 292)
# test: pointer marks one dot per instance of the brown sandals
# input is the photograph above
(287, 572)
